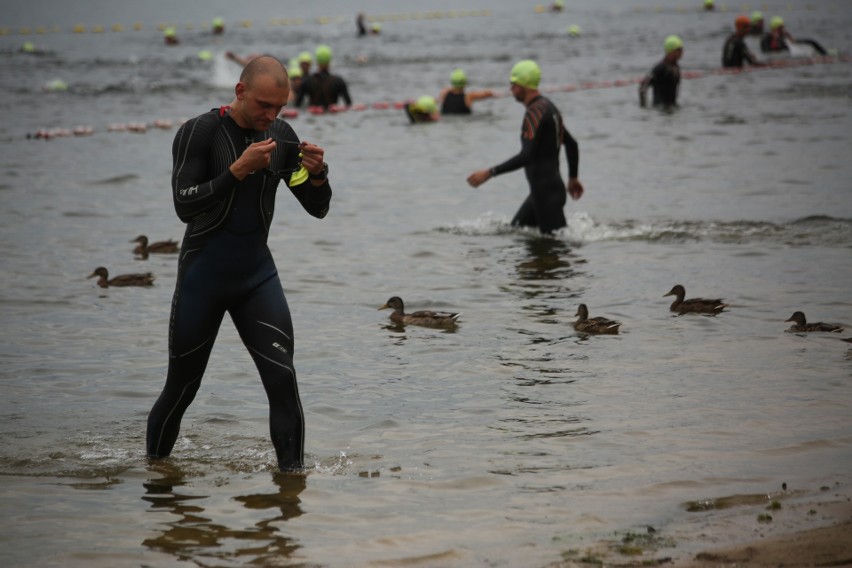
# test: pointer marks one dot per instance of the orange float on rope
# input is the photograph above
(289, 113)
(381, 106)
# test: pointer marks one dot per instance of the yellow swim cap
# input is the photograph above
(305, 57)
(526, 73)
(672, 43)
(294, 72)
(458, 78)
(574, 30)
(218, 22)
(323, 54)
(426, 105)
(776, 22)
(757, 16)
(205, 55)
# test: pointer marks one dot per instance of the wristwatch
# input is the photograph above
(323, 173)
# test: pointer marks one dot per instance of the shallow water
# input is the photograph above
(504, 443)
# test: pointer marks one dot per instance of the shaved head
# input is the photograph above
(265, 65)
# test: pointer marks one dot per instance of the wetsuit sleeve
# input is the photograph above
(572, 154)
(315, 199)
(303, 88)
(528, 139)
(344, 92)
(192, 190)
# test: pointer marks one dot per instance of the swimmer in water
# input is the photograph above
(735, 52)
(455, 100)
(779, 39)
(322, 88)
(665, 76)
(542, 136)
(424, 109)
(228, 164)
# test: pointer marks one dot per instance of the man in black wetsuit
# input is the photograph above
(322, 88)
(542, 136)
(227, 166)
(665, 76)
(735, 52)
(455, 100)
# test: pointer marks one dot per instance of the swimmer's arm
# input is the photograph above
(572, 154)
(192, 192)
(477, 96)
(643, 89)
(315, 199)
(344, 93)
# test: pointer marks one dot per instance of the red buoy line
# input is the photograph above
(290, 113)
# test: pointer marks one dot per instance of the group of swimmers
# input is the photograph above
(665, 76)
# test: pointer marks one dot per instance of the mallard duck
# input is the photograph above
(426, 318)
(695, 305)
(594, 325)
(159, 247)
(104, 281)
(801, 324)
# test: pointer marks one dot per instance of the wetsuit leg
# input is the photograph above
(264, 324)
(197, 313)
(525, 217)
(549, 204)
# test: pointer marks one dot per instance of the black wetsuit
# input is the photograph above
(323, 89)
(225, 266)
(454, 103)
(770, 43)
(542, 135)
(735, 52)
(665, 78)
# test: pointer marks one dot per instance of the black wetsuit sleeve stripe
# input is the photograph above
(191, 151)
(572, 154)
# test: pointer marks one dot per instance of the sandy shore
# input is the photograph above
(786, 529)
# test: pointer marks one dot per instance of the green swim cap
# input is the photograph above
(776, 22)
(323, 54)
(305, 57)
(526, 73)
(205, 55)
(294, 72)
(426, 104)
(170, 32)
(756, 16)
(672, 43)
(28, 47)
(574, 30)
(458, 78)
(218, 22)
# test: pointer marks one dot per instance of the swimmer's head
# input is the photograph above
(295, 72)
(305, 57)
(708, 4)
(28, 47)
(756, 17)
(526, 73)
(776, 22)
(574, 30)
(218, 24)
(458, 79)
(742, 23)
(426, 105)
(205, 55)
(323, 54)
(672, 43)
(170, 33)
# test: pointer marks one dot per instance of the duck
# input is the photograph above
(425, 318)
(139, 279)
(801, 324)
(694, 305)
(594, 325)
(159, 247)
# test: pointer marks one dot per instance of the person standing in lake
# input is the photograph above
(665, 76)
(542, 136)
(228, 163)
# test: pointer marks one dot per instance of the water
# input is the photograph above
(504, 443)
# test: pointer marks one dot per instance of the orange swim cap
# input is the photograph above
(742, 22)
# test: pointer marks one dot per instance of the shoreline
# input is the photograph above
(789, 529)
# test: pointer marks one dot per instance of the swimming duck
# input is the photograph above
(594, 325)
(104, 281)
(694, 305)
(159, 247)
(801, 324)
(426, 318)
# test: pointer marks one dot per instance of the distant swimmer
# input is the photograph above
(665, 76)
(170, 36)
(779, 39)
(218, 25)
(709, 5)
(542, 136)
(736, 53)
(756, 24)
(241, 60)
(424, 109)
(322, 88)
(455, 100)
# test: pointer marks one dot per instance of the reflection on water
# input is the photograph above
(193, 533)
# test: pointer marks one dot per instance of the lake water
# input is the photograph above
(507, 442)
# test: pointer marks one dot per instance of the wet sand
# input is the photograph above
(808, 528)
